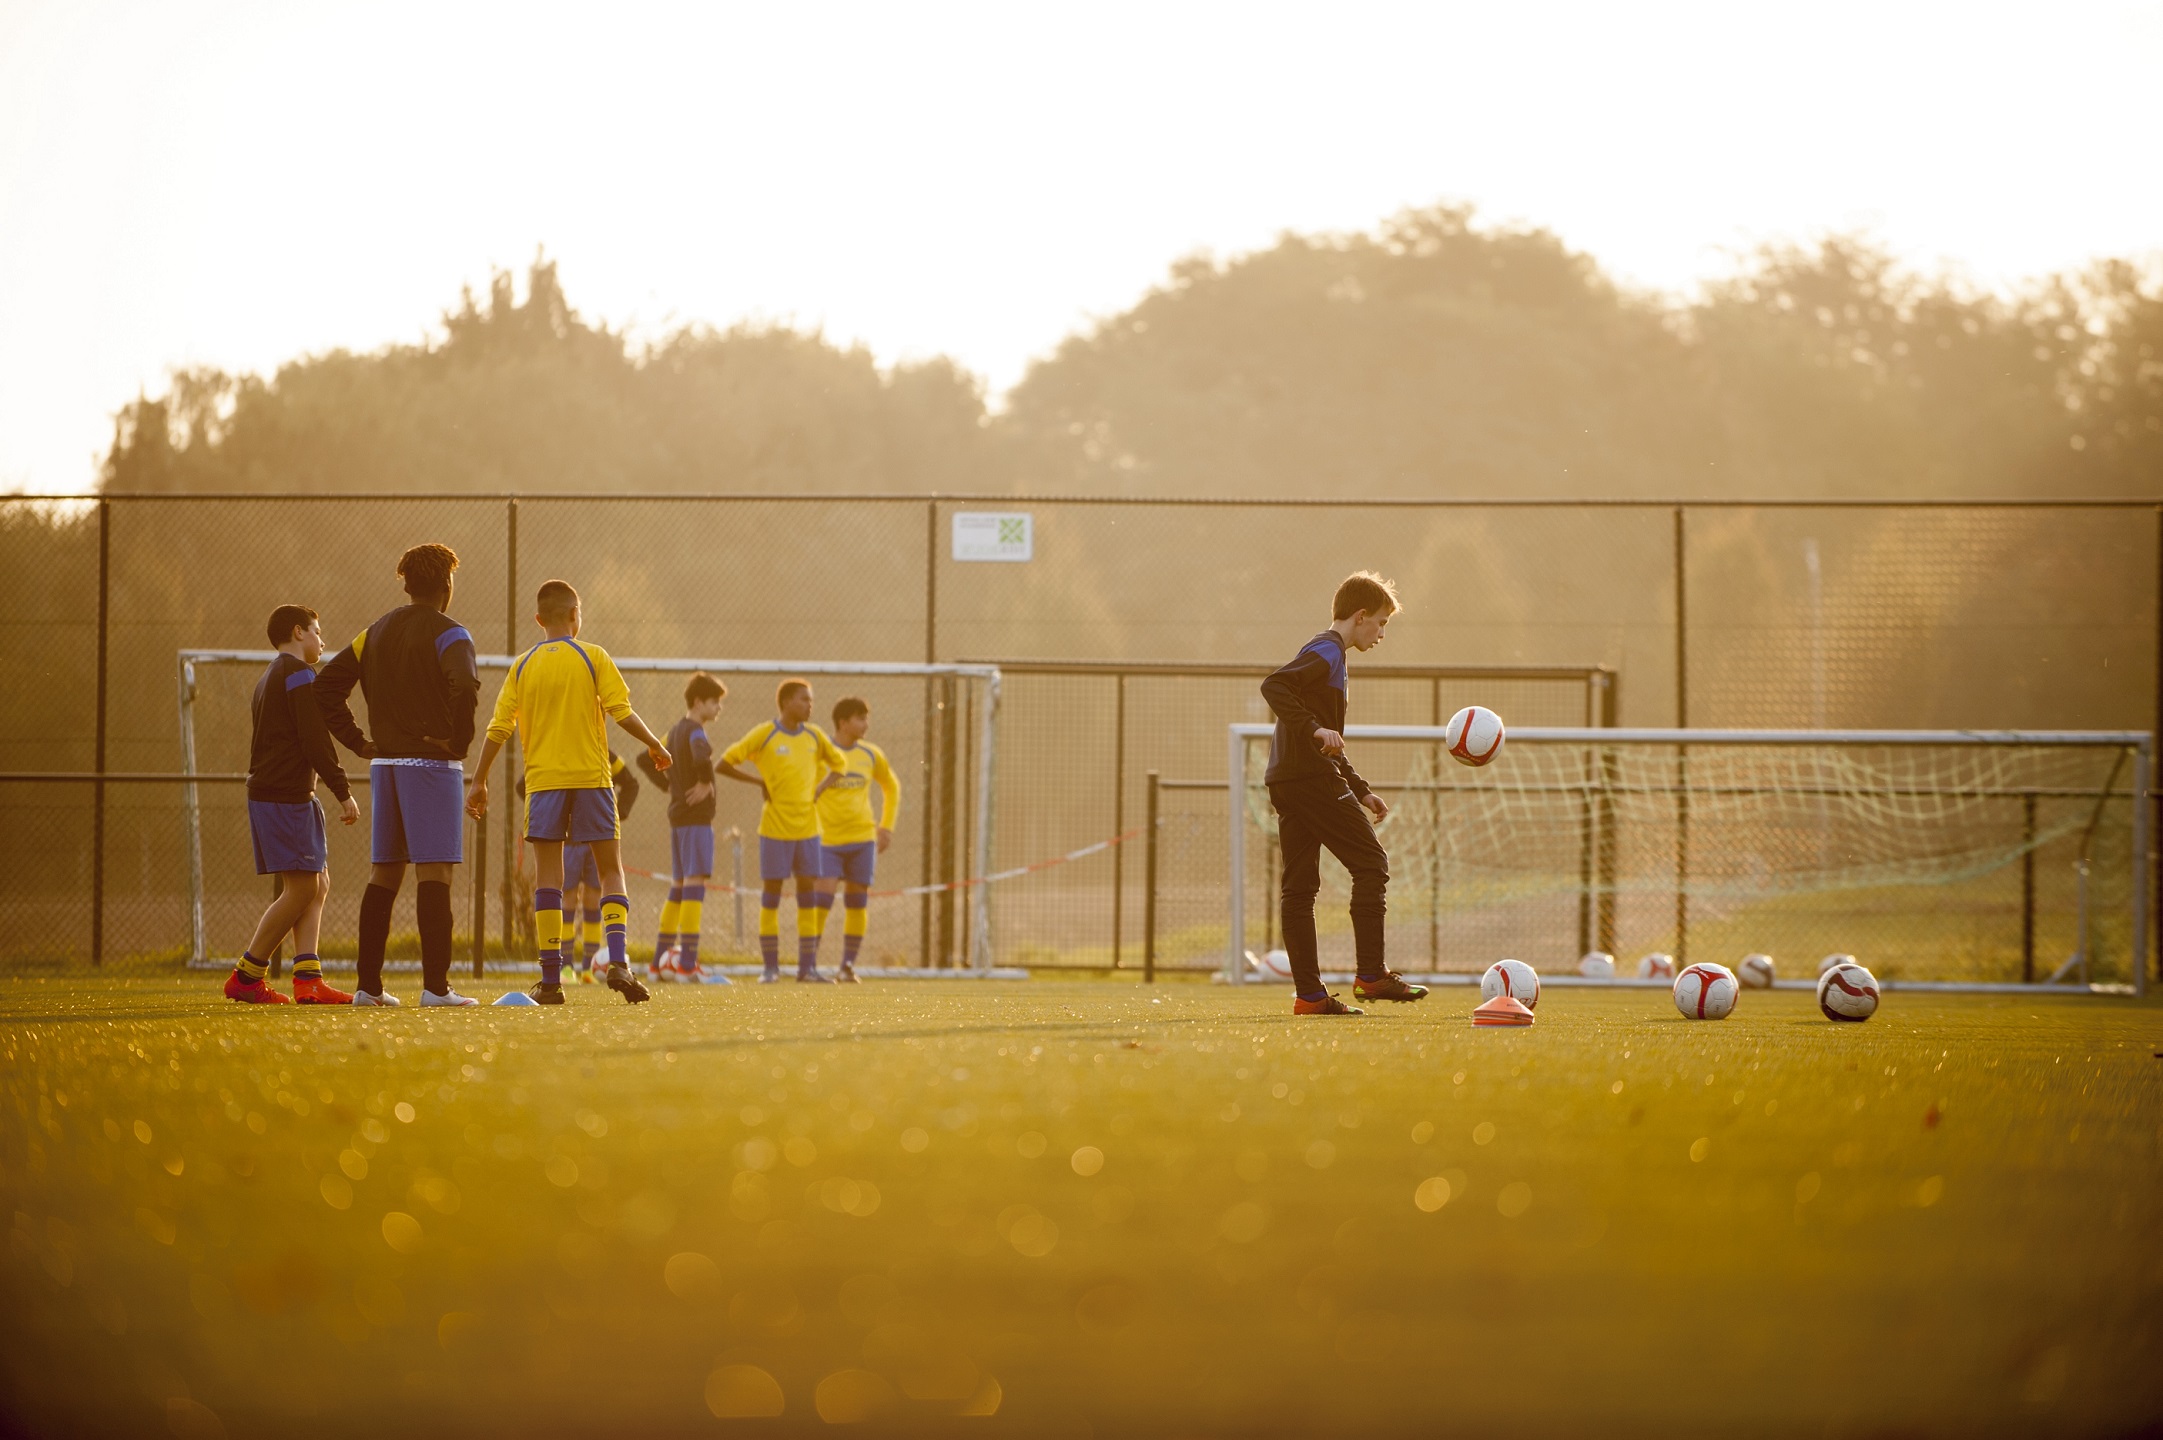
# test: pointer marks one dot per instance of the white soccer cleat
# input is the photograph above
(448, 997)
(362, 997)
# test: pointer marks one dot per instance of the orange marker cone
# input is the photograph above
(1502, 1010)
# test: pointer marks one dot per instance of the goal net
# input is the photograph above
(1932, 856)
(938, 725)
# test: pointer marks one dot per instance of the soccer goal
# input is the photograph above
(1938, 857)
(938, 724)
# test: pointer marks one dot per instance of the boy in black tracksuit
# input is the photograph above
(1321, 800)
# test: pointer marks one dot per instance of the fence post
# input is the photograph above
(477, 908)
(736, 882)
(1609, 715)
(1119, 810)
(1235, 795)
(2027, 890)
(1149, 896)
(511, 757)
(931, 715)
(97, 814)
(1682, 752)
(2154, 863)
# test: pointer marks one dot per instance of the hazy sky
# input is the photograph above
(237, 184)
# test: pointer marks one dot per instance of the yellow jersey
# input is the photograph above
(557, 697)
(791, 762)
(845, 816)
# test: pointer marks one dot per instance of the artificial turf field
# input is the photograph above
(1070, 1209)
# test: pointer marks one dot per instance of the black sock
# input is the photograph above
(375, 933)
(434, 904)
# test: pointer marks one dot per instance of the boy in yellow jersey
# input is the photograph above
(556, 696)
(853, 831)
(789, 756)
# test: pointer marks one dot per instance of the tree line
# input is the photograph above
(1430, 356)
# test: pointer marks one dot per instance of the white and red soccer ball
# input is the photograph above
(1706, 992)
(1513, 978)
(1474, 735)
(1831, 960)
(1756, 972)
(1275, 965)
(1597, 965)
(1848, 992)
(1656, 966)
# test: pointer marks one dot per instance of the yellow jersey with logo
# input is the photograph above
(845, 814)
(559, 697)
(791, 762)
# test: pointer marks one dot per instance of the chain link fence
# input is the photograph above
(1162, 613)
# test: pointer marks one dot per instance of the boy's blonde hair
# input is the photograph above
(1364, 590)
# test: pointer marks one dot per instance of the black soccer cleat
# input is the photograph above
(1389, 985)
(813, 976)
(547, 994)
(620, 981)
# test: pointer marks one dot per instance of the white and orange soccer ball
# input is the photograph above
(1756, 972)
(1597, 965)
(1513, 978)
(1848, 992)
(1474, 735)
(1656, 966)
(1706, 992)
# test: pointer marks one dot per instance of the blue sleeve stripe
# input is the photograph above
(451, 637)
(300, 677)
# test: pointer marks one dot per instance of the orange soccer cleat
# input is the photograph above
(239, 987)
(314, 990)
(1327, 1005)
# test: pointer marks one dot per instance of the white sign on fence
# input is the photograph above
(990, 535)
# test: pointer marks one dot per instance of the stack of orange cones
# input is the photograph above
(1502, 1010)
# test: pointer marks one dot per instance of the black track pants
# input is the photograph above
(1310, 817)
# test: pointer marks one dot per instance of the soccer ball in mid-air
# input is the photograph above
(1755, 972)
(1848, 992)
(1831, 960)
(1597, 965)
(1656, 966)
(1474, 735)
(1513, 978)
(1276, 965)
(1706, 992)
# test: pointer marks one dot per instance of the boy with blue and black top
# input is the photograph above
(418, 670)
(690, 786)
(1321, 800)
(290, 747)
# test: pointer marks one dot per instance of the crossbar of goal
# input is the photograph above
(2139, 742)
(980, 946)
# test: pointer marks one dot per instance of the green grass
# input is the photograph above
(1945, 1221)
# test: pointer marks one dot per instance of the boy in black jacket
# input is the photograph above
(1321, 800)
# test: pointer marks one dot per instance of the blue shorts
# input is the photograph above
(579, 816)
(690, 851)
(853, 863)
(579, 868)
(417, 812)
(780, 859)
(288, 836)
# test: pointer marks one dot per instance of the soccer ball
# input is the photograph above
(1831, 960)
(1848, 992)
(1513, 978)
(1597, 965)
(1657, 966)
(1706, 992)
(1475, 735)
(1755, 972)
(1276, 965)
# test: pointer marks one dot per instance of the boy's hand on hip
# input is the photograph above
(1376, 805)
(1331, 742)
(348, 811)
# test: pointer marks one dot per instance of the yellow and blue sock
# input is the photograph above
(251, 970)
(770, 927)
(308, 966)
(616, 927)
(671, 923)
(689, 915)
(855, 912)
(808, 915)
(590, 925)
(548, 931)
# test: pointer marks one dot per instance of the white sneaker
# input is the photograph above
(362, 997)
(448, 997)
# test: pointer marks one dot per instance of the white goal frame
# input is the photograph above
(980, 945)
(2140, 742)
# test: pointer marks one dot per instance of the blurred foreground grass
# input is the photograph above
(1048, 1209)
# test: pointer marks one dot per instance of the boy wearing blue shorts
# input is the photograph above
(417, 668)
(289, 749)
(558, 697)
(855, 827)
(789, 756)
(689, 783)
(582, 948)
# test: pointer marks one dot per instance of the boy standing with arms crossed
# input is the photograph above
(790, 755)
(556, 696)
(852, 833)
(289, 749)
(1321, 800)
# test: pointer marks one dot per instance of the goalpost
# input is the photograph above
(1918, 848)
(936, 722)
